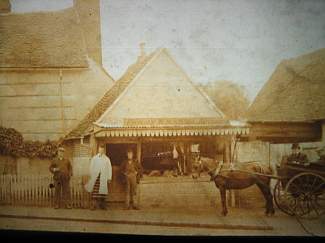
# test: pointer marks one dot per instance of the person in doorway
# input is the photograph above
(198, 166)
(131, 169)
(100, 175)
(182, 160)
(175, 159)
(61, 169)
(296, 156)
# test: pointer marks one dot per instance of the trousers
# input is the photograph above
(131, 189)
(62, 191)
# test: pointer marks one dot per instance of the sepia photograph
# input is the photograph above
(162, 117)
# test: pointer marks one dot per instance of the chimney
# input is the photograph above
(142, 55)
(5, 6)
(89, 14)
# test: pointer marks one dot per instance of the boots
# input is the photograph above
(102, 204)
(93, 204)
(134, 206)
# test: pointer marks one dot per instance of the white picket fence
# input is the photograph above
(34, 190)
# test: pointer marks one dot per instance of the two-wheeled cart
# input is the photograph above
(300, 189)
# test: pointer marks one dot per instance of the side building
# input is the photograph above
(51, 72)
(290, 108)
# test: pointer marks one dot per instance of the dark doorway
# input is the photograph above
(117, 152)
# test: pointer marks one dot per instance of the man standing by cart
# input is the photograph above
(296, 156)
(131, 169)
(62, 171)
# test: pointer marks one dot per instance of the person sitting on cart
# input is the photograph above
(321, 154)
(296, 156)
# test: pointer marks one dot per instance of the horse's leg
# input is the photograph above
(223, 200)
(265, 189)
(261, 186)
(269, 196)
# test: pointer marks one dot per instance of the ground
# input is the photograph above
(116, 220)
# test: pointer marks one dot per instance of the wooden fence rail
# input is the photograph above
(34, 190)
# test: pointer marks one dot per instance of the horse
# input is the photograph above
(228, 176)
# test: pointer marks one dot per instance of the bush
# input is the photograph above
(12, 143)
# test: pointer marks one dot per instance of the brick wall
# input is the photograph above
(251, 198)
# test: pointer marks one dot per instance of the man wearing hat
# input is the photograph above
(297, 157)
(62, 171)
(321, 154)
(131, 169)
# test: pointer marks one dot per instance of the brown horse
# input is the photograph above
(240, 176)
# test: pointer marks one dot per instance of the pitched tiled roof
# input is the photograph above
(110, 96)
(295, 91)
(163, 94)
(43, 40)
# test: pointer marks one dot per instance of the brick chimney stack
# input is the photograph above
(89, 14)
(5, 6)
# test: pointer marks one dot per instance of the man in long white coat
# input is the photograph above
(100, 175)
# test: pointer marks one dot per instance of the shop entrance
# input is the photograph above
(117, 153)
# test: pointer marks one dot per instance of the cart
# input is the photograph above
(300, 189)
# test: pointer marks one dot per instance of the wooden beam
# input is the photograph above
(93, 144)
(293, 131)
(139, 150)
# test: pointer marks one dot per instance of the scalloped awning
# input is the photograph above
(171, 132)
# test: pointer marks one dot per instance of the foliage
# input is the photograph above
(229, 97)
(13, 144)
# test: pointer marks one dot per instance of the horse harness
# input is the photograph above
(217, 171)
(232, 168)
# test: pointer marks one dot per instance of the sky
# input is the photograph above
(238, 40)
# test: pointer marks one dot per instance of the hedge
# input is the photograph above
(13, 144)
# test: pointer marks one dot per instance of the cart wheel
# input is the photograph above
(280, 199)
(307, 192)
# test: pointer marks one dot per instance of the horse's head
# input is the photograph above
(204, 164)
(211, 174)
(209, 163)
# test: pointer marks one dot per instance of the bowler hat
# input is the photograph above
(61, 149)
(295, 146)
(129, 150)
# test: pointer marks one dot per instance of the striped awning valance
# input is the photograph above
(170, 132)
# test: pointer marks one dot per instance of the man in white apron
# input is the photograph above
(100, 174)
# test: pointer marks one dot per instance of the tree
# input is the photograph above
(229, 97)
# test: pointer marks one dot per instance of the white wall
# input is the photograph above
(259, 151)
(253, 151)
(81, 156)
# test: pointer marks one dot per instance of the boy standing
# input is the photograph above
(131, 169)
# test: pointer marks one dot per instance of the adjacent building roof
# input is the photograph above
(50, 69)
(43, 40)
(294, 92)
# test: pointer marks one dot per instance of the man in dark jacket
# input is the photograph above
(62, 171)
(297, 157)
(131, 169)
